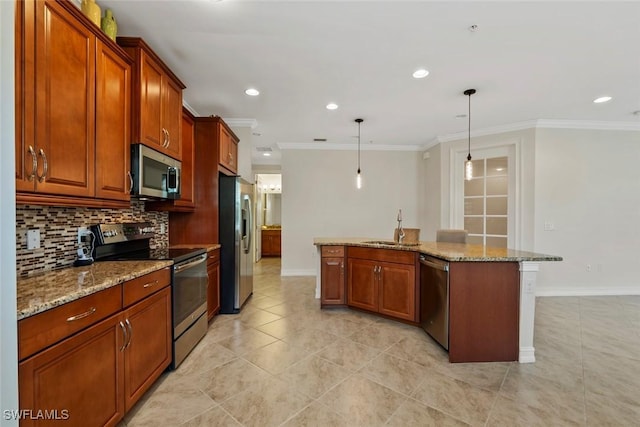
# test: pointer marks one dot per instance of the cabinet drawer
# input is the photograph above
(332, 251)
(384, 255)
(214, 256)
(44, 329)
(137, 289)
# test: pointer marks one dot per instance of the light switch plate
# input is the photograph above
(33, 239)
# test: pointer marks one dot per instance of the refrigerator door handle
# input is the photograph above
(247, 224)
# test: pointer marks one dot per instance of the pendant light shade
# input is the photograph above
(358, 175)
(468, 165)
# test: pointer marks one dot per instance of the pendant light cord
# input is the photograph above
(359, 121)
(469, 92)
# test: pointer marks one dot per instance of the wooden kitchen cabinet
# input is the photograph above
(332, 287)
(201, 226)
(148, 352)
(82, 375)
(383, 281)
(71, 88)
(113, 84)
(484, 310)
(156, 101)
(228, 150)
(186, 202)
(98, 372)
(213, 286)
(271, 242)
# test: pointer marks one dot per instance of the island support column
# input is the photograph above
(528, 272)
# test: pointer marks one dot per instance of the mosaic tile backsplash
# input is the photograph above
(59, 230)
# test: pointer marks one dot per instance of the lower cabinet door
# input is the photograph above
(77, 382)
(147, 351)
(332, 286)
(362, 286)
(397, 291)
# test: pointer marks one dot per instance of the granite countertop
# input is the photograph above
(208, 246)
(446, 251)
(50, 289)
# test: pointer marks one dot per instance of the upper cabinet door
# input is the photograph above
(156, 101)
(64, 69)
(172, 117)
(151, 121)
(113, 112)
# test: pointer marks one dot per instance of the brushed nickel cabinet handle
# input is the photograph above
(82, 315)
(148, 285)
(45, 166)
(130, 182)
(34, 166)
(125, 336)
(130, 333)
(168, 138)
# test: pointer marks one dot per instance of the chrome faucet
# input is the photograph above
(400, 230)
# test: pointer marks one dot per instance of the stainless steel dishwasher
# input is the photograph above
(434, 298)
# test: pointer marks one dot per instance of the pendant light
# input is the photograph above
(359, 176)
(468, 166)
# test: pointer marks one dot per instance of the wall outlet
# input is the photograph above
(549, 226)
(33, 239)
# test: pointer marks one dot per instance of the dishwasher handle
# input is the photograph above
(434, 263)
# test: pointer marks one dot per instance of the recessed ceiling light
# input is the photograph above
(602, 99)
(420, 73)
(252, 92)
(332, 106)
(266, 154)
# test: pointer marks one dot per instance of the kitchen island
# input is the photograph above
(491, 298)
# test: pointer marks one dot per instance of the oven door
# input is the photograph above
(189, 292)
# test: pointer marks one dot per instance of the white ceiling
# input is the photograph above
(527, 60)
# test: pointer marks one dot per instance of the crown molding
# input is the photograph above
(538, 124)
(345, 147)
(190, 109)
(241, 123)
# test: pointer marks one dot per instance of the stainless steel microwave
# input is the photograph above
(155, 175)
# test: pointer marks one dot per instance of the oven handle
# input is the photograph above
(183, 266)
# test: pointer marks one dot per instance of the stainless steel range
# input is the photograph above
(131, 241)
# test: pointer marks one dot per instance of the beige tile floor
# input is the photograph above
(284, 361)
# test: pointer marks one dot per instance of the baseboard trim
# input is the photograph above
(311, 272)
(586, 292)
(527, 355)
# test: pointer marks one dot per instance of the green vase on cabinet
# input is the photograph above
(109, 25)
(92, 10)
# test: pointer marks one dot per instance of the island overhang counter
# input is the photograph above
(491, 306)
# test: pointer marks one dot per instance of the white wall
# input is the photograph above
(8, 322)
(429, 194)
(320, 199)
(588, 186)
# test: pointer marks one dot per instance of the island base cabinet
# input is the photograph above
(332, 274)
(362, 284)
(65, 378)
(397, 293)
(484, 311)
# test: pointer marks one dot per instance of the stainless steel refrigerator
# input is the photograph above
(236, 238)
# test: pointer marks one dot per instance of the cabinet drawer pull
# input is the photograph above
(130, 182)
(130, 333)
(45, 166)
(125, 336)
(150, 284)
(82, 315)
(34, 167)
(333, 263)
